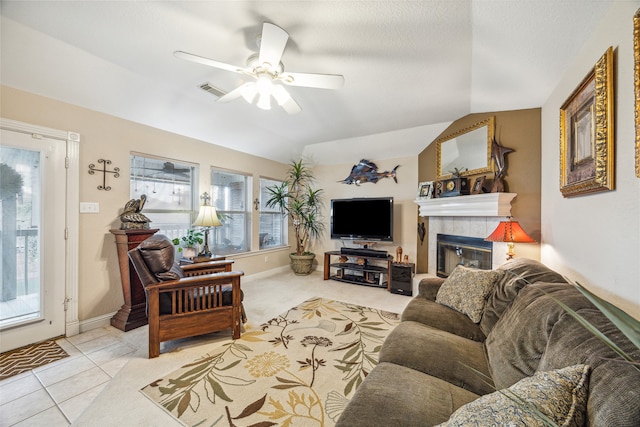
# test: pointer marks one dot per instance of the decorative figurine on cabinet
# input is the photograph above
(131, 216)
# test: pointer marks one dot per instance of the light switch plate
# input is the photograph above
(87, 207)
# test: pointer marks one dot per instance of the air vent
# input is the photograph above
(206, 86)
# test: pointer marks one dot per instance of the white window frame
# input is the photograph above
(272, 212)
(188, 203)
(220, 244)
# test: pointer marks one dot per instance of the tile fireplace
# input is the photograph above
(474, 216)
(452, 251)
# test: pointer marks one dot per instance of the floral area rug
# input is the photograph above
(298, 369)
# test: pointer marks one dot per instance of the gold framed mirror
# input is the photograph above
(469, 148)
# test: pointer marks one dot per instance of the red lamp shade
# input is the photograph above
(510, 232)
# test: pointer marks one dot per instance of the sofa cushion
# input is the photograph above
(518, 273)
(158, 253)
(614, 386)
(447, 356)
(441, 317)
(429, 286)
(394, 395)
(516, 343)
(466, 290)
(560, 395)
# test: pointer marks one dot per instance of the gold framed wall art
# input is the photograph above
(636, 81)
(586, 133)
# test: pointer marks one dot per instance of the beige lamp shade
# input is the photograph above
(207, 217)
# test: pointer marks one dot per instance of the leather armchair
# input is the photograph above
(186, 301)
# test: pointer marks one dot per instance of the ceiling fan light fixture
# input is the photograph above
(249, 93)
(264, 84)
(254, 64)
(264, 102)
(280, 94)
(268, 70)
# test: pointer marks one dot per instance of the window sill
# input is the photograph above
(259, 252)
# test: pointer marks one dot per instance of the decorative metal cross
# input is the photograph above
(93, 170)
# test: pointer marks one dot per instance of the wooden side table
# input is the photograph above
(133, 312)
(188, 261)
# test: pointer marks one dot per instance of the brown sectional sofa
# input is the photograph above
(438, 360)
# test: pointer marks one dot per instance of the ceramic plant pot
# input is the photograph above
(189, 253)
(302, 264)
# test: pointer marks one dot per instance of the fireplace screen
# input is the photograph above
(472, 252)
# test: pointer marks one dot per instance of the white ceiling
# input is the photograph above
(410, 67)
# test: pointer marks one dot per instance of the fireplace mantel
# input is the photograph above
(490, 204)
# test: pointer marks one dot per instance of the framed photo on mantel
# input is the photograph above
(586, 133)
(425, 190)
(477, 185)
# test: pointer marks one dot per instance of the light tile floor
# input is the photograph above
(57, 393)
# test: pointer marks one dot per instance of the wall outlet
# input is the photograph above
(266, 258)
(87, 207)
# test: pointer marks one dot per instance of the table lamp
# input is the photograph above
(510, 232)
(207, 218)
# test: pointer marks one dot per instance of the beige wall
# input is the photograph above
(595, 239)
(108, 137)
(519, 130)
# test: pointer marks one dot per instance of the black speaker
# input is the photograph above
(401, 280)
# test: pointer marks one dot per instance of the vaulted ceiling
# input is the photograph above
(410, 67)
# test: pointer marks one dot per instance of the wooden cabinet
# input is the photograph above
(357, 269)
(133, 312)
(401, 278)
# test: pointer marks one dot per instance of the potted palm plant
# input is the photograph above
(298, 200)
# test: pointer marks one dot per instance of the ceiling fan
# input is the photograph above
(268, 71)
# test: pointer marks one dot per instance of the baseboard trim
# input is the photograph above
(267, 273)
(96, 322)
(72, 328)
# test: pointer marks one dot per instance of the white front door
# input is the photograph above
(32, 238)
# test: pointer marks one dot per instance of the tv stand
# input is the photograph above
(360, 269)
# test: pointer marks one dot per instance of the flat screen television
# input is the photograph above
(362, 219)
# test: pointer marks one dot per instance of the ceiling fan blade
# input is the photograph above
(284, 99)
(248, 91)
(320, 81)
(291, 107)
(272, 44)
(206, 61)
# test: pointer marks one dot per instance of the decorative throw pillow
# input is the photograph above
(561, 395)
(466, 290)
